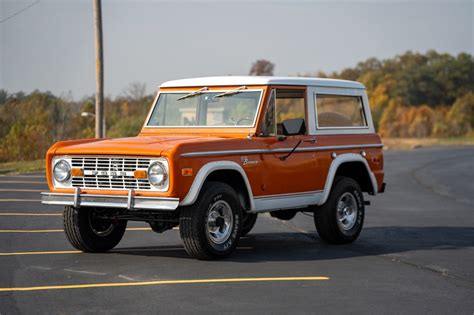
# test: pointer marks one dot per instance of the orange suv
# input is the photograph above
(214, 153)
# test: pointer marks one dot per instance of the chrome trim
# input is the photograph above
(281, 150)
(130, 199)
(77, 195)
(111, 201)
(56, 183)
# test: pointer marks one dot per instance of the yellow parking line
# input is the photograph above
(29, 214)
(53, 231)
(20, 182)
(22, 190)
(160, 282)
(20, 200)
(42, 253)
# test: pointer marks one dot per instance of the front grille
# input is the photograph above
(93, 166)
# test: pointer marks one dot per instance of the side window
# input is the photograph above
(339, 111)
(269, 126)
(289, 104)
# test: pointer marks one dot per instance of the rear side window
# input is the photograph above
(339, 111)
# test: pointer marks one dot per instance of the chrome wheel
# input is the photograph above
(347, 211)
(220, 221)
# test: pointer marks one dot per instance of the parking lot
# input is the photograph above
(415, 254)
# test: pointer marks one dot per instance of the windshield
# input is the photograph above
(204, 109)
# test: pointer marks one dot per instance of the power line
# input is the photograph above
(18, 12)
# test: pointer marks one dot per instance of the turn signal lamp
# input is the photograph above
(75, 171)
(140, 174)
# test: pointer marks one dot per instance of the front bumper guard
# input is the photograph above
(130, 201)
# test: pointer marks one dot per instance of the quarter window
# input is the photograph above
(339, 111)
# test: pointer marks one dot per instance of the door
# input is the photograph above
(288, 162)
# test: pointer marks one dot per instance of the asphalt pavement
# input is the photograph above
(415, 255)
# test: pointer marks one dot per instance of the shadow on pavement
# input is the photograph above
(306, 247)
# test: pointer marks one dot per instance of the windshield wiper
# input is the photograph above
(235, 91)
(200, 91)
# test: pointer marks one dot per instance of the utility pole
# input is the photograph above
(99, 72)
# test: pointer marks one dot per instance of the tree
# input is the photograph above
(461, 115)
(3, 96)
(389, 125)
(135, 91)
(262, 67)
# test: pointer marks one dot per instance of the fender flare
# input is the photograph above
(341, 159)
(204, 172)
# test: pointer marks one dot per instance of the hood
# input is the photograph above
(141, 145)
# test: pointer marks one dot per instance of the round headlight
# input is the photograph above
(62, 171)
(157, 174)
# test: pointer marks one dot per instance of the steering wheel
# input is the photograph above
(243, 119)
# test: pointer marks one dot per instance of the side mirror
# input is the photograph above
(293, 127)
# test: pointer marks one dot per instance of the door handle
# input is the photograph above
(312, 140)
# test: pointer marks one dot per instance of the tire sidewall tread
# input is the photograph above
(325, 217)
(81, 236)
(192, 225)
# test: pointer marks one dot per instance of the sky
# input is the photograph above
(50, 45)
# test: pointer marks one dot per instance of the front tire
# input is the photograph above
(340, 219)
(211, 227)
(88, 233)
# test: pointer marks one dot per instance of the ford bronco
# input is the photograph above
(214, 153)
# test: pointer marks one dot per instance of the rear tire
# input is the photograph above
(340, 219)
(88, 233)
(211, 227)
(248, 223)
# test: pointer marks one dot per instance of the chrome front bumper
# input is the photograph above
(130, 201)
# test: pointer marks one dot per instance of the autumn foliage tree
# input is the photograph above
(460, 118)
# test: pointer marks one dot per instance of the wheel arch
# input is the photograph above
(226, 171)
(354, 166)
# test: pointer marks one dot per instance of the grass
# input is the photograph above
(22, 167)
(414, 143)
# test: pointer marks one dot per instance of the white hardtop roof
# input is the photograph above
(258, 80)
